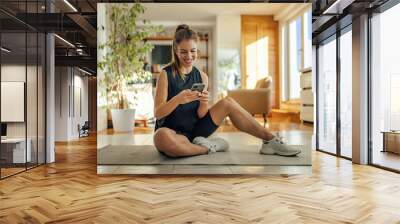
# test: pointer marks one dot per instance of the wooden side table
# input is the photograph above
(391, 141)
(141, 120)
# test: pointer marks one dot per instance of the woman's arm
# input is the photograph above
(163, 108)
(203, 108)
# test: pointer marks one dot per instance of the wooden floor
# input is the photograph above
(277, 123)
(387, 159)
(70, 191)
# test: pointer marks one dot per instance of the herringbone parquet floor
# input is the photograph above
(70, 191)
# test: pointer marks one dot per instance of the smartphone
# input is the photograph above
(198, 87)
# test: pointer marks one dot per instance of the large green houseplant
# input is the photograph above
(125, 51)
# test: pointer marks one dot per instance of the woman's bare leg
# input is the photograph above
(175, 145)
(240, 118)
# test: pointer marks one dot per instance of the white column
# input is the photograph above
(50, 99)
(50, 92)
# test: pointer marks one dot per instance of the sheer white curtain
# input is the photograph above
(346, 93)
(327, 96)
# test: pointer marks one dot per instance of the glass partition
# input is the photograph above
(13, 86)
(385, 89)
(22, 64)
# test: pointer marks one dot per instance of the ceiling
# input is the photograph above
(207, 12)
(332, 15)
(76, 24)
(80, 27)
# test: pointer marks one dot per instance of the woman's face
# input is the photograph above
(187, 52)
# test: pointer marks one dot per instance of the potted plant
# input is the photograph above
(123, 61)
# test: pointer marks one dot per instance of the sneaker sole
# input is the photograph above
(287, 155)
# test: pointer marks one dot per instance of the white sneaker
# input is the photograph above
(214, 144)
(276, 146)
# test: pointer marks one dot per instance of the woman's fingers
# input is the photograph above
(191, 98)
(204, 93)
(192, 93)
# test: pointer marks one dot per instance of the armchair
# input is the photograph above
(257, 100)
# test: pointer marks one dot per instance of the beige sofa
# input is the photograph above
(257, 100)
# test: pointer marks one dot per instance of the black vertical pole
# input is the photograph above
(316, 97)
(45, 87)
(338, 74)
(369, 90)
(26, 86)
(37, 89)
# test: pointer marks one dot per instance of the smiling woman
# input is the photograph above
(184, 120)
(193, 65)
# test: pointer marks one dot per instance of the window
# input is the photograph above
(297, 50)
(257, 61)
(327, 96)
(346, 93)
(307, 37)
(284, 64)
(294, 58)
(385, 88)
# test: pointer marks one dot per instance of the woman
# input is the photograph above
(184, 120)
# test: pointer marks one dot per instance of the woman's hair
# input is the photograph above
(182, 32)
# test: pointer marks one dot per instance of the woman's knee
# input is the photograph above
(162, 137)
(227, 102)
(165, 142)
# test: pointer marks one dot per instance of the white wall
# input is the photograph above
(16, 73)
(79, 117)
(69, 82)
(61, 103)
(33, 126)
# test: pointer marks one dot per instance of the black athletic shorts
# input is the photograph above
(204, 127)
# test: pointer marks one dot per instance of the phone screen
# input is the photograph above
(198, 87)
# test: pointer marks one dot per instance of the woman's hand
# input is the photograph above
(187, 96)
(203, 108)
(204, 97)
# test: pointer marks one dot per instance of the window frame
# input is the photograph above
(286, 71)
(371, 15)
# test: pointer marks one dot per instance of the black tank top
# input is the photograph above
(184, 117)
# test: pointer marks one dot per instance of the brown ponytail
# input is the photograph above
(182, 32)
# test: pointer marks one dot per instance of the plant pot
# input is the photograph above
(123, 120)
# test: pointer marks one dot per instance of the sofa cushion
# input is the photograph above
(263, 83)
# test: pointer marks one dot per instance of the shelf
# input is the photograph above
(168, 38)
